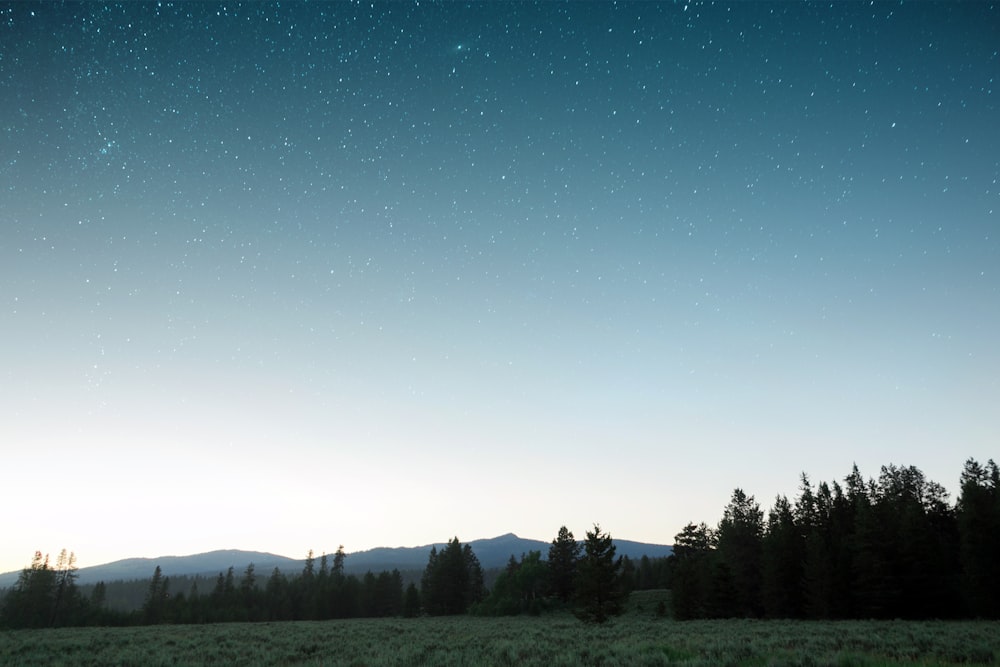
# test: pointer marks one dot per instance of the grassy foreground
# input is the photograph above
(637, 638)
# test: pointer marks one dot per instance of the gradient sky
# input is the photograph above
(281, 278)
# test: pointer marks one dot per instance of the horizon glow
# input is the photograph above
(286, 278)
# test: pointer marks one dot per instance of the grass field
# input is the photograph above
(637, 638)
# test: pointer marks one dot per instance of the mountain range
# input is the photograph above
(492, 553)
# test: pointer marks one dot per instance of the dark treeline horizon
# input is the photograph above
(889, 547)
(453, 582)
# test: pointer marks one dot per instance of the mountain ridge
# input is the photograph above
(492, 552)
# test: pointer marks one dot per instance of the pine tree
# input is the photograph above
(430, 583)
(338, 562)
(154, 608)
(740, 538)
(519, 588)
(99, 595)
(67, 604)
(564, 554)
(411, 602)
(783, 553)
(692, 571)
(813, 515)
(599, 593)
(979, 538)
(29, 603)
(452, 581)
(278, 598)
(249, 596)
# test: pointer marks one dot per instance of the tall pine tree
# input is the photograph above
(599, 592)
(452, 581)
(740, 537)
(564, 554)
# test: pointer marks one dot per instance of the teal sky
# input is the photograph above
(285, 278)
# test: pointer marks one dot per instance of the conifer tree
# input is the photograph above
(338, 562)
(979, 538)
(740, 536)
(411, 601)
(277, 596)
(29, 603)
(782, 555)
(66, 605)
(452, 581)
(564, 553)
(599, 593)
(692, 571)
(154, 608)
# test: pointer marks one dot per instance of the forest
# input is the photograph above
(882, 548)
(891, 547)
(586, 578)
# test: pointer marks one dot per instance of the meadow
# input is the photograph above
(637, 638)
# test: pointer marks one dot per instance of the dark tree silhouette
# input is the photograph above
(564, 553)
(692, 558)
(782, 556)
(979, 538)
(452, 581)
(740, 539)
(155, 607)
(599, 593)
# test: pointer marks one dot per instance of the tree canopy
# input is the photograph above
(889, 547)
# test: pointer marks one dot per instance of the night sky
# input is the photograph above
(288, 277)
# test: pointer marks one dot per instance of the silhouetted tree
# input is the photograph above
(519, 588)
(452, 580)
(411, 601)
(99, 595)
(67, 605)
(154, 608)
(628, 575)
(740, 536)
(599, 593)
(813, 513)
(979, 538)
(920, 534)
(338, 561)
(782, 556)
(29, 603)
(249, 596)
(692, 571)
(564, 554)
(278, 597)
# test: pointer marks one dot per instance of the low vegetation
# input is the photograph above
(639, 637)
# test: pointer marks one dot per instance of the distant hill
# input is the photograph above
(493, 552)
(210, 563)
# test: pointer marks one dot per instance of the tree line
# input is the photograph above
(891, 547)
(583, 576)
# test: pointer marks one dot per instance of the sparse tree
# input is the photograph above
(338, 562)
(29, 603)
(66, 606)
